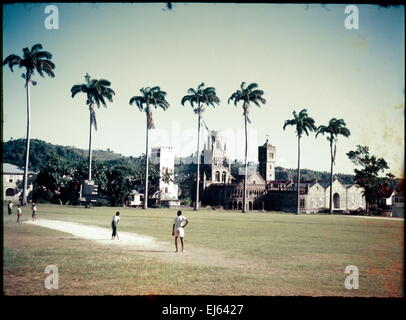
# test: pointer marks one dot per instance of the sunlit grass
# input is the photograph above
(286, 254)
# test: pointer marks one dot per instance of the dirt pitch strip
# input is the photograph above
(98, 234)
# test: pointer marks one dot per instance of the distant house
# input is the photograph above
(13, 182)
(136, 199)
(398, 205)
(315, 196)
(385, 200)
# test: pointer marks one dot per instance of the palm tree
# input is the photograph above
(303, 123)
(334, 128)
(201, 97)
(247, 94)
(32, 60)
(96, 92)
(150, 97)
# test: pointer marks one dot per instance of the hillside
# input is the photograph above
(13, 152)
(100, 155)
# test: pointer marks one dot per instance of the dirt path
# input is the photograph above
(145, 245)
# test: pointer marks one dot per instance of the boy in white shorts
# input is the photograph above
(179, 224)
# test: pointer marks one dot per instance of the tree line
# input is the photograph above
(61, 170)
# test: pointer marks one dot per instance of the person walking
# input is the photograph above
(114, 224)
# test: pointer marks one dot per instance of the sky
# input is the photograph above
(301, 56)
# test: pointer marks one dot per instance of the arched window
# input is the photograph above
(217, 176)
(224, 176)
(10, 192)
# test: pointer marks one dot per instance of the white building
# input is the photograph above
(398, 205)
(164, 158)
(13, 182)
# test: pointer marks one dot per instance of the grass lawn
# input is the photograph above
(227, 253)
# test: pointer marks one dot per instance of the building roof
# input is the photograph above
(9, 168)
(251, 175)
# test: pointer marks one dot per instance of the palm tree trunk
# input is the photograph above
(90, 145)
(146, 168)
(331, 178)
(246, 166)
(198, 164)
(27, 146)
(298, 176)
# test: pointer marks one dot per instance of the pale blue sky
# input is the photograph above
(301, 56)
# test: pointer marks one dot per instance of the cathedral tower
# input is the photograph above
(266, 159)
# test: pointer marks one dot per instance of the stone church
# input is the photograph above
(219, 188)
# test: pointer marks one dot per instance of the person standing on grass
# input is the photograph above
(179, 224)
(34, 212)
(114, 223)
(19, 213)
(10, 207)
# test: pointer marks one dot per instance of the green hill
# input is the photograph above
(14, 150)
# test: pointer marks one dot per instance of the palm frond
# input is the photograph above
(192, 92)
(104, 82)
(12, 60)
(345, 132)
(43, 55)
(243, 86)
(289, 123)
(35, 48)
(252, 86)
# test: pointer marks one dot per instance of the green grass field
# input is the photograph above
(227, 253)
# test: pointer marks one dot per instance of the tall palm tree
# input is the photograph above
(151, 97)
(201, 97)
(334, 128)
(247, 94)
(32, 60)
(303, 124)
(96, 92)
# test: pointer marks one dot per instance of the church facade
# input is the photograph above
(219, 188)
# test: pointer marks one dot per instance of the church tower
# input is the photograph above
(266, 159)
(215, 160)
